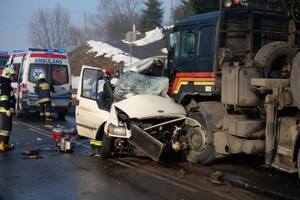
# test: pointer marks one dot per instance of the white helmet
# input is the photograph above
(114, 81)
(42, 76)
(8, 72)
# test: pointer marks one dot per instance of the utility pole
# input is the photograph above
(171, 12)
(84, 33)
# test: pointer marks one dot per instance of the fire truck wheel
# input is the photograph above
(274, 58)
(200, 140)
(107, 147)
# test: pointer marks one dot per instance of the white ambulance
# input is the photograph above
(28, 65)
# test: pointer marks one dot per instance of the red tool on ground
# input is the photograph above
(63, 136)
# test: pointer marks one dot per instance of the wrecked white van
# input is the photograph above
(138, 117)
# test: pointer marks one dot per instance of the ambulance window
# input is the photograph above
(59, 74)
(89, 83)
(3, 61)
(35, 70)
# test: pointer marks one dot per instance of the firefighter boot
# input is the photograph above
(98, 146)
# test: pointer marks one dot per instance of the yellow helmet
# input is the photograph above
(8, 72)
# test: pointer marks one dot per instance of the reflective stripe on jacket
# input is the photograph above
(4, 133)
(43, 90)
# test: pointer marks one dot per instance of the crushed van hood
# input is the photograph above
(147, 106)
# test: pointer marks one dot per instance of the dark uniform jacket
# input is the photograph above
(7, 97)
(44, 89)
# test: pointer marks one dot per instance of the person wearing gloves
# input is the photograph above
(7, 105)
(43, 89)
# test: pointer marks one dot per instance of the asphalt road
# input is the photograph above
(80, 176)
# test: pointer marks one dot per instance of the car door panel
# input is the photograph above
(89, 117)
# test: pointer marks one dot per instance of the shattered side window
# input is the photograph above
(131, 84)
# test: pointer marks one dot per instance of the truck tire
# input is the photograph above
(200, 140)
(274, 56)
(107, 147)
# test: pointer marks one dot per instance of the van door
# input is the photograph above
(94, 99)
(59, 76)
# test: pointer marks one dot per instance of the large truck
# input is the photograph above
(237, 73)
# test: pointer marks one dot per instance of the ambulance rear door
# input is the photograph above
(56, 68)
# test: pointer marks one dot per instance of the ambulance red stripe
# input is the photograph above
(47, 55)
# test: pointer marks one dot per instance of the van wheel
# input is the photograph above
(200, 139)
(107, 147)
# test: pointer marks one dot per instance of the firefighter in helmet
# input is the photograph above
(7, 105)
(100, 93)
(43, 89)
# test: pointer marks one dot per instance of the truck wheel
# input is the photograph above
(298, 163)
(200, 138)
(274, 56)
(107, 147)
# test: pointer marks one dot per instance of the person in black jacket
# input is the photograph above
(43, 89)
(7, 105)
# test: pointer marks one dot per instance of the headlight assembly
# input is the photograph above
(116, 130)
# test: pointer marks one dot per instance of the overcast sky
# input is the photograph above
(16, 14)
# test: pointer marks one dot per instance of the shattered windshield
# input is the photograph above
(131, 84)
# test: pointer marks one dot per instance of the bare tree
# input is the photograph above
(76, 36)
(50, 29)
(116, 17)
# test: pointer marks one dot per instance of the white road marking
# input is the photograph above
(168, 179)
(46, 133)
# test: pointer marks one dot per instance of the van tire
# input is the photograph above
(107, 147)
(207, 153)
(268, 54)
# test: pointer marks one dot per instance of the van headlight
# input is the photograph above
(116, 130)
